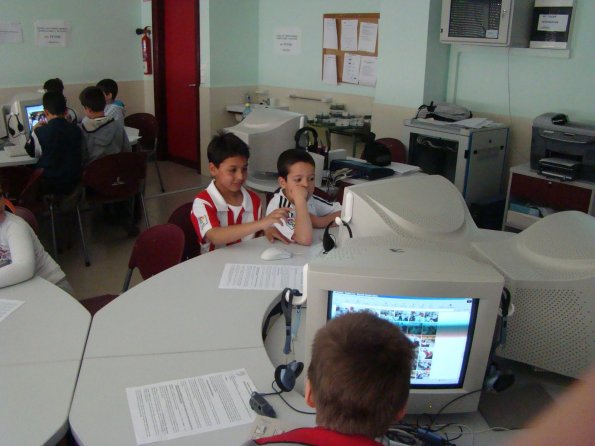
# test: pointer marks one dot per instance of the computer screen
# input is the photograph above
(34, 114)
(441, 329)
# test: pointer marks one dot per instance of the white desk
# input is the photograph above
(8, 161)
(177, 324)
(41, 345)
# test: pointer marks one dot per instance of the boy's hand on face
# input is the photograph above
(299, 194)
(275, 217)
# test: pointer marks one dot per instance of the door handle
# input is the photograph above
(192, 85)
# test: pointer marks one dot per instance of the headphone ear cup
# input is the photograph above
(328, 239)
(286, 375)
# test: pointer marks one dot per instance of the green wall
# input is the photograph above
(102, 42)
(481, 78)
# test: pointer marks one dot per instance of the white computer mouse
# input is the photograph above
(275, 253)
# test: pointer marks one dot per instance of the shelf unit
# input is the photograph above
(526, 185)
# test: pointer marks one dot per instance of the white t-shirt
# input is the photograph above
(22, 255)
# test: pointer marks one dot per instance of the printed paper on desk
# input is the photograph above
(7, 306)
(237, 276)
(184, 407)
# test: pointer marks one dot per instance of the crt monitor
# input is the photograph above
(26, 110)
(446, 303)
(268, 132)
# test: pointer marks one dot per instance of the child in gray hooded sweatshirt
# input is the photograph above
(102, 134)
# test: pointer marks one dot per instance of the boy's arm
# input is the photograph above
(22, 266)
(302, 232)
(322, 222)
(223, 235)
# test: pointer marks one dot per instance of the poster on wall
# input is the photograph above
(51, 33)
(11, 32)
(288, 41)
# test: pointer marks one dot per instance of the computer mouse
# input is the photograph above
(274, 253)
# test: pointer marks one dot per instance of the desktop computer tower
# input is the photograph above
(472, 159)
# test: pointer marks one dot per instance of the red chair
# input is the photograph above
(116, 178)
(155, 250)
(148, 127)
(181, 218)
(398, 151)
(31, 197)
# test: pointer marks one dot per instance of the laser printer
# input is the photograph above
(563, 149)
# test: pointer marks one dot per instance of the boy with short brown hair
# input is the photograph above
(358, 381)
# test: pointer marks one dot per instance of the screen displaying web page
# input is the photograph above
(441, 329)
(34, 114)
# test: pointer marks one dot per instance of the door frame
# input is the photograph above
(159, 91)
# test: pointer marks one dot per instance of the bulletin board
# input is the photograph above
(339, 53)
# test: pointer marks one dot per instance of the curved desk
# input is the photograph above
(178, 324)
(41, 346)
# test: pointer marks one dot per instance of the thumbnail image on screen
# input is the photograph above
(441, 329)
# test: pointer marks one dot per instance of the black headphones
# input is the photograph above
(309, 147)
(20, 127)
(286, 375)
(328, 239)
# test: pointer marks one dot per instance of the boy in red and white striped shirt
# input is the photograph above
(225, 212)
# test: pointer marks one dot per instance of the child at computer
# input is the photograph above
(56, 84)
(57, 144)
(226, 213)
(114, 108)
(296, 180)
(358, 382)
(102, 134)
(21, 254)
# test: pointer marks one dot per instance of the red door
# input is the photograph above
(180, 40)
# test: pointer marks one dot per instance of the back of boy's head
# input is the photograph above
(108, 86)
(92, 97)
(54, 84)
(225, 145)
(54, 102)
(289, 158)
(359, 374)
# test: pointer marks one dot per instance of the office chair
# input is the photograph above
(148, 127)
(181, 218)
(117, 178)
(397, 149)
(155, 250)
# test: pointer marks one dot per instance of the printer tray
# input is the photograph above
(563, 169)
(362, 169)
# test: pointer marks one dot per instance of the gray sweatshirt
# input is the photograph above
(103, 136)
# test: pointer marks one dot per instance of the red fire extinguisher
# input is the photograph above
(145, 42)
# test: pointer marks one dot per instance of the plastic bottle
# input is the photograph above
(247, 109)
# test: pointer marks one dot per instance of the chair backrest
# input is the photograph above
(157, 249)
(148, 128)
(28, 216)
(116, 176)
(398, 151)
(30, 196)
(181, 218)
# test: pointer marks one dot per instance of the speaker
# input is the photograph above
(286, 375)
(305, 132)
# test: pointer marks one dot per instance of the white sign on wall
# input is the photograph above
(288, 41)
(51, 32)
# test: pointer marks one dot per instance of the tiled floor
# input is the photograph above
(109, 245)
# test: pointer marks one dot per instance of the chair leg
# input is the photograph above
(53, 225)
(142, 202)
(127, 280)
(159, 174)
(85, 252)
